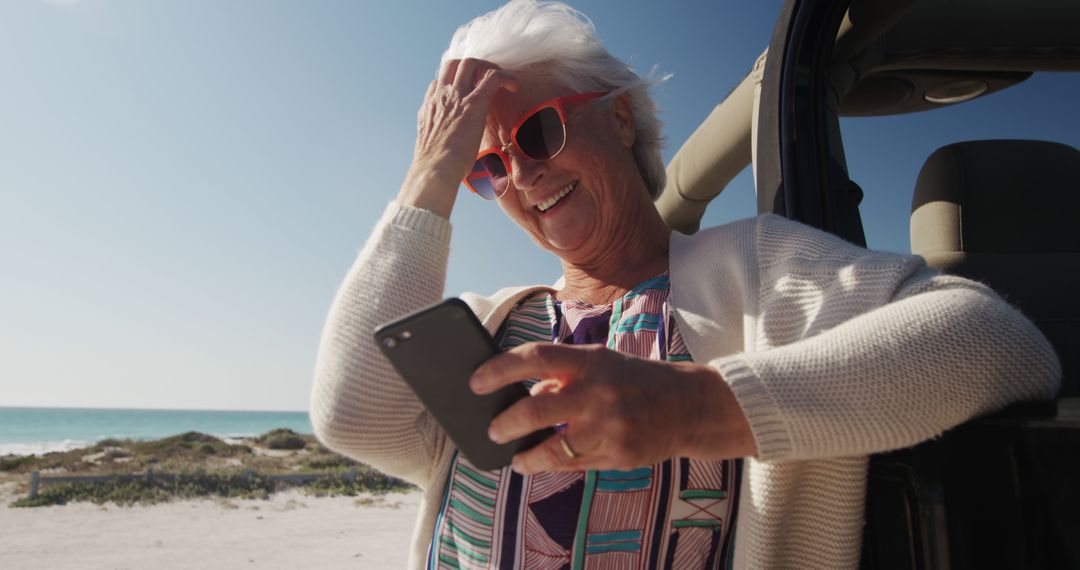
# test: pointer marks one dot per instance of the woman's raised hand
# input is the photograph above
(622, 412)
(450, 125)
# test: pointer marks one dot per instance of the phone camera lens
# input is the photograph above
(389, 342)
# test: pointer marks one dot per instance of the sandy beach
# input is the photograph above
(288, 530)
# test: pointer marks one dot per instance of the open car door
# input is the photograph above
(1000, 491)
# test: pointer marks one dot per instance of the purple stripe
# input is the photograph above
(660, 516)
(509, 521)
(726, 549)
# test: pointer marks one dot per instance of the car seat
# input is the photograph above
(1005, 212)
(999, 491)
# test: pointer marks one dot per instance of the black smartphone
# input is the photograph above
(436, 350)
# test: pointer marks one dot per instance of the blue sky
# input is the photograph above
(184, 184)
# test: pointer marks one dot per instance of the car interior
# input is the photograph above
(998, 491)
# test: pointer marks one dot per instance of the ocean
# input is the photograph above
(25, 431)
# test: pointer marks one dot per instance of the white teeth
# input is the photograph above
(547, 204)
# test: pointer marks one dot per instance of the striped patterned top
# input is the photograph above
(676, 514)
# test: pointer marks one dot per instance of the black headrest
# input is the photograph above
(998, 196)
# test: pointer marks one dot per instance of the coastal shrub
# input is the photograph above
(121, 492)
(126, 491)
(186, 445)
(194, 465)
(283, 439)
(328, 463)
(367, 480)
(66, 460)
(13, 462)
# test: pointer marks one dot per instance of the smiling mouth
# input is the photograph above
(550, 202)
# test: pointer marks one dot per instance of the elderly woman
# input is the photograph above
(741, 376)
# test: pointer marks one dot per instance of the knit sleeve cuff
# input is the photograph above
(417, 219)
(771, 432)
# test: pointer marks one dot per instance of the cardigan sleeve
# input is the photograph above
(857, 352)
(360, 406)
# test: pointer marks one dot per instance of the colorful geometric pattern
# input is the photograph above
(676, 514)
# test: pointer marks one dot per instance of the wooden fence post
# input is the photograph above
(149, 474)
(35, 478)
(352, 475)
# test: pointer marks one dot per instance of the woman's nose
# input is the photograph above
(527, 173)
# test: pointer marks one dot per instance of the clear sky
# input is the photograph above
(183, 184)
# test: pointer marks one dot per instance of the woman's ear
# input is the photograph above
(624, 118)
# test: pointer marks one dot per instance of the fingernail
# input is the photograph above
(494, 435)
(476, 383)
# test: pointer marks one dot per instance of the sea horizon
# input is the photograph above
(148, 409)
(36, 430)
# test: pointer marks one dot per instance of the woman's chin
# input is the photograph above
(564, 247)
(568, 229)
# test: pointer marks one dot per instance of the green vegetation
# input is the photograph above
(13, 462)
(193, 465)
(283, 439)
(367, 480)
(131, 490)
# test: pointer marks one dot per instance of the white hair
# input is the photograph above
(527, 34)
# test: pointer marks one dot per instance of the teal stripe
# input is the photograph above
(539, 314)
(679, 357)
(648, 317)
(640, 322)
(613, 322)
(635, 485)
(660, 282)
(530, 336)
(531, 328)
(615, 547)
(488, 501)
(536, 301)
(614, 475)
(525, 336)
(477, 477)
(577, 561)
(431, 563)
(471, 512)
(707, 523)
(620, 536)
(702, 494)
(537, 311)
(451, 562)
(638, 327)
(640, 293)
(474, 556)
(459, 533)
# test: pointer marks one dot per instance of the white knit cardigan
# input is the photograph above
(834, 352)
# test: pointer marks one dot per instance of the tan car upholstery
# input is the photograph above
(721, 147)
(1007, 213)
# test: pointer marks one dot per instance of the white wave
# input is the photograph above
(42, 447)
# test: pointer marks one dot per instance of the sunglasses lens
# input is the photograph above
(488, 177)
(541, 136)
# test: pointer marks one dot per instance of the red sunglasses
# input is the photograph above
(539, 134)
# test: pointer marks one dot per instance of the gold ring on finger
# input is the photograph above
(569, 451)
